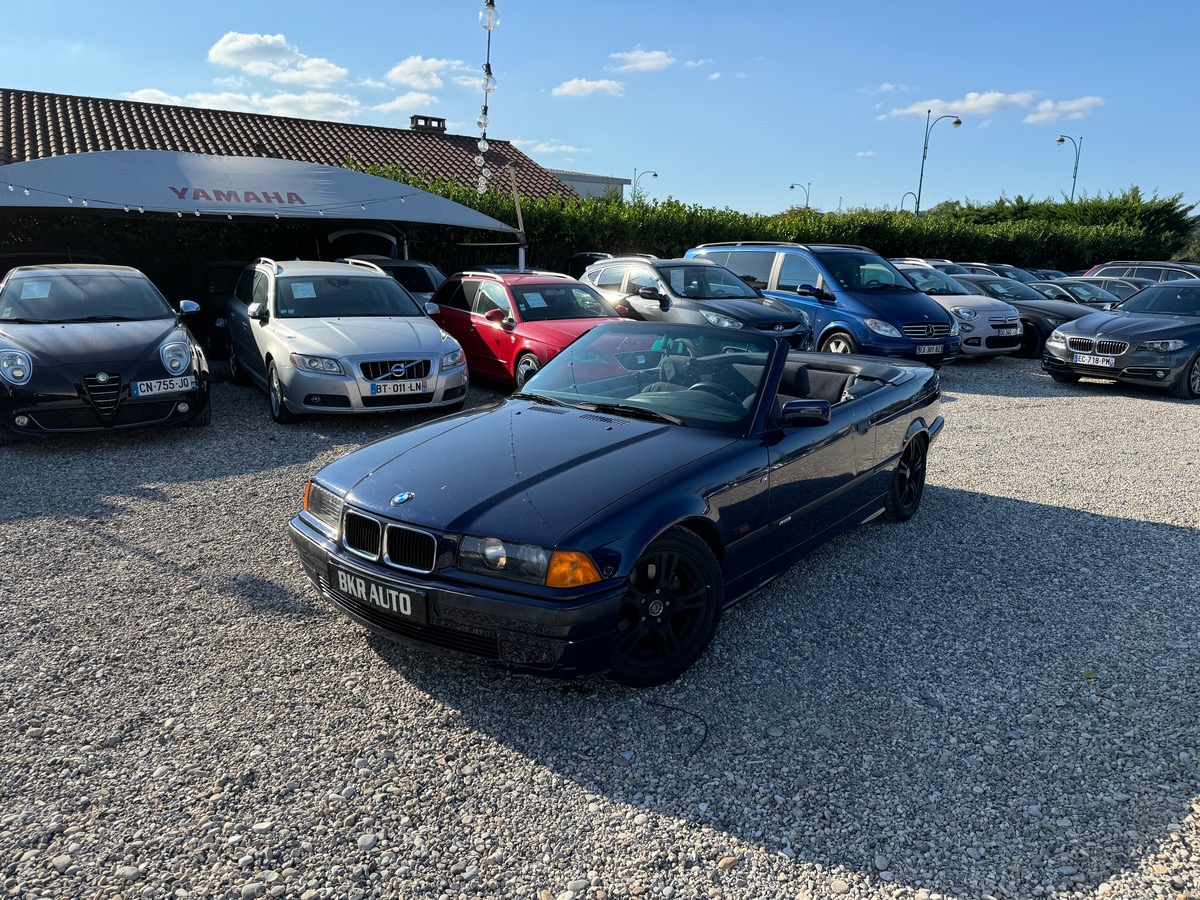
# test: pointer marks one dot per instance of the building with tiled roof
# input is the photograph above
(35, 125)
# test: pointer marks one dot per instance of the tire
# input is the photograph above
(1064, 377)
(1032, 341)
(670, 611)
(525, 368)
(279, 409)
(908, 483)
(7, 438)
(1188, 385)
(237, 374)
(202, 418)
(839, 342)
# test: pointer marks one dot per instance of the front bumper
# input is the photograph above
(990, 338)
(943, 351)
(500, 628)
(1134, 366)
(312, 392)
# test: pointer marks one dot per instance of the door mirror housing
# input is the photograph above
(188, 307)
(432, 309)
(807, 290)
(495, 315)
(258, 311)
(805, 413)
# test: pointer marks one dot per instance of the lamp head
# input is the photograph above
(1060, 140)
(957, 121)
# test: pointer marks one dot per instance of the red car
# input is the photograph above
(510, 324)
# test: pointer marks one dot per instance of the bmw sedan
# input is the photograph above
(88, 348)
(1152, 338)
(645, 479)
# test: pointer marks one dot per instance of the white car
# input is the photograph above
(988, 326)
(325, 337)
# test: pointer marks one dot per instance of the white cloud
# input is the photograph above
(693, 63)
(886, 88)
(154, 95)
(371, 83)
(225, 100)
(232, 83)
(581, 87)
(545, 147)
(413, 101)
(1053, 110)
(424, 74)
(972, 104)
(642, 60)
(713, 76)
(469, 81)
(271, 56)
(312, 105)
(864, 154)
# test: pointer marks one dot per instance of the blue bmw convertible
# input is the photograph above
(600, 520)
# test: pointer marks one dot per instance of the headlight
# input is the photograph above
(320, 364)
(964, 312)
(525, 562)
(323, 504)
(954, 329)
(176, 356)
(1162, 346)
(452, 354)
(16, 366)
(719, 320)
(1056, 339)
(884, 328)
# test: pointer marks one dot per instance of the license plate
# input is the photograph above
(399, 387)
(1083, 359)
(928, 349)
(391, 597)
(1006, 332)
(164, 385)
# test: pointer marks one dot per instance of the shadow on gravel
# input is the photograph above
(954, 697)
(1024, 378)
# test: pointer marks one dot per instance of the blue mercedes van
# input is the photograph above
(856, 300)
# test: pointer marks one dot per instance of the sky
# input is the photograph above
(730, 103)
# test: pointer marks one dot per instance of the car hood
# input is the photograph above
(1062, 309)
(517, 470)
(751, 311)
(353, 336)
(80, 343)
(975, 301)
(1134, 325)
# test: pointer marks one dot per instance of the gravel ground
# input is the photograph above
(999, 698)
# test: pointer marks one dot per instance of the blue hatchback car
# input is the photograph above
(856, 300)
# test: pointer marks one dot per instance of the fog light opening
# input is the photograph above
(181, 408)
(1160, 374)
(21, 421)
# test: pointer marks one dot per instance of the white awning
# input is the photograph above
(192, 184)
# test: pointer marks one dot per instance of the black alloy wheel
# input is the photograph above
(1188, 385)
(908, 482)
(839, 342)
(279, 408)
(1032, 341)
(236, 373)
(670, 612)
(203, 417)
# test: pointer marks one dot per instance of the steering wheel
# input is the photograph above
(718, 390)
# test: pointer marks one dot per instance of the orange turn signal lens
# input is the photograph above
(307, 489)
(570, 568)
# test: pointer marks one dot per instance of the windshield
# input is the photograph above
(1166, 299)
(1088, 293)
(330, 296)
(691, 376)
(541, 302)
(417, 279)
(931, 281)
(862, 270)
(82, 295)
(1010, 289)
(706, 282)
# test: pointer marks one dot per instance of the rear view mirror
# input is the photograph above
(257, 311)
(187, 307)
(805, 413)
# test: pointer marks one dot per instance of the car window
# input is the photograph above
(416, 278)
(641, 277)
(329, 296)
(796, 270)
(931, 281)
(611, 277)
(491, 296)
(82, 295)
(1010, 289)
(244, 292)
(260, 292)
(706, 282)
(753, 266)
(1166, 299)
(537, 303)
(458, 295)
(1173, 275)
(1150, 272)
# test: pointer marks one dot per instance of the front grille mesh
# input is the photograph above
(407, 548)
(381, 369)
(362, 535)
(86, 419)
(104, 395)
(926, 331)
(1111, 348)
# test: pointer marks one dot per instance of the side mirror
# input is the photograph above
(649, 293)
(807, 290)
(622, 310)
(432, 309)
(805, 413)
(495, 315)
(188, 307)
(258, 311)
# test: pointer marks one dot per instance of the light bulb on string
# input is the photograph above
(25, 192)
(482, 122)
(10, 187)
(84, 201)
(70, 199)
(489, 19)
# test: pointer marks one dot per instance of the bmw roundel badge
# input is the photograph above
(402, 498)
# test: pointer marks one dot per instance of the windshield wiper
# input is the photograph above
(103, 317)
(539, 398)
(21, 320)
(634, 412)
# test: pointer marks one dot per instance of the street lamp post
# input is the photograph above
(807, 188)
(1062, 139)
(907, 194)
(925, 152)
(633, 193)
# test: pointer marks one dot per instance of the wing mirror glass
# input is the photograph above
(188, 307)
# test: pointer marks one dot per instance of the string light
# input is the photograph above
(489, 19)
(84, 202)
